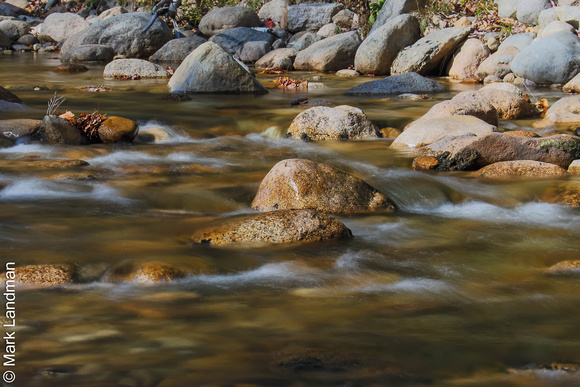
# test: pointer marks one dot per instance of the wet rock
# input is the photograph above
(303, 40)
(277, 11)
(277, 58)
(5, 41)
(61, 26)
(233, 40)
(427, 131)
(89, 53)
(574, 167)
(565, 193)
(328, 30)
(56, 130)
(469, 103)
(378, 51)
(398, 84)
(7, 95)
(331, 54)
(465, 153)
(565, 267)
(521, 168)
(18, 128)
(529, 10)
(427, 53)
(14, 29)
(209, 69)
(521, 133)
(499, 63)
(177, 50)
(285, 226)
(467, 58)
(425, 163)
(347, 73)
(219, 20)
(394, 8)
(563, 114)
(121, 68)
(123, 34)
(118, 129)
(44, 275)
(554, 59)
(327, 123)
(70, 68)
(144, 272)
(309, 17)
(298, 183)
(78, 176)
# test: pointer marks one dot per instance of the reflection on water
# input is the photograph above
(449, 291)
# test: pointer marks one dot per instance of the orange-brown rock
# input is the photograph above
(523, 168)
(45, 275)
(424, 163)
(565, 267)
(144, 272)
(521, 133)
(118, 129)
(275, 227)
(298, 183)
(566, 193)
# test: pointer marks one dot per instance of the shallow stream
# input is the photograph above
(449, 291)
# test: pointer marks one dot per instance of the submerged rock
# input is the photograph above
(567, 193)
(44, 275)
(18, 128)
(209, 69)
(565, 267)
(274, 227)
(144, 272)
(327, 123)
(298, 183)
(398, 84)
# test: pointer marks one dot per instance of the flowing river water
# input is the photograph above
(449, 291)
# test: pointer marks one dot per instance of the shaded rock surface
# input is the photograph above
(428, 131)
(298, 183)
(177, 50)
(274, 227)
(18, 128)
(426, 54)
(233, 40)
(89, 53)
(129, 67)
(523, 168)
(209, 69)
(327, 123)
(331, 54)
(378, 51)
(7, 95)
(123, 34)
(394, 8)
(56, 130)
(221, 19)
(398, 84)
(14, 29)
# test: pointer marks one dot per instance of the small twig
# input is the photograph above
(54, 104)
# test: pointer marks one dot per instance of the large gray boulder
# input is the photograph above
(219, 20)
(14, 29)
(11, 10)
(177, 50)
(467, 58)
(89, 53)
(5, 41)
(277, 11)
(398, 84)
(234, 39)
(210, 69)
(123, 34)
(56, 130)
(394, 8)
(554, 59)
(520, 41)
(529, 10)
(378, 51)
(425, 55)
(331, 54)
(308, 17)
(507, 8)
(130, 67)
(498, 63)
(60, 26)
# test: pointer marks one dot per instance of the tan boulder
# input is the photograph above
(498, 64)
(427, 131)
(326, 123)
(467, 58)
(509, 106)
(523, 168)
(118, 129)
(298, 183)
(43, 275)
(573, 85)
(563, 114)
(144, 272)
(285, 226)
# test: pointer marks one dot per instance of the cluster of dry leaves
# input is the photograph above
(87, 123)
(273, 70)
(287, 83)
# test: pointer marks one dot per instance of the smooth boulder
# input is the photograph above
(394, 8)
(521, 168)
(56, 130)
(398, 84)
(275, 227)
(60, 26)
(309, 17)
(498, 63)
(124, 34)
(305, 184)
(233, 40)
(219, 20)
(209, 69)
(378, 51)
(327, 123)
(177, 50)
(89, 53)
(467, 58)
(563, 114)
(121, 68)
(278, 58)
(117, 129)
(331, 54)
